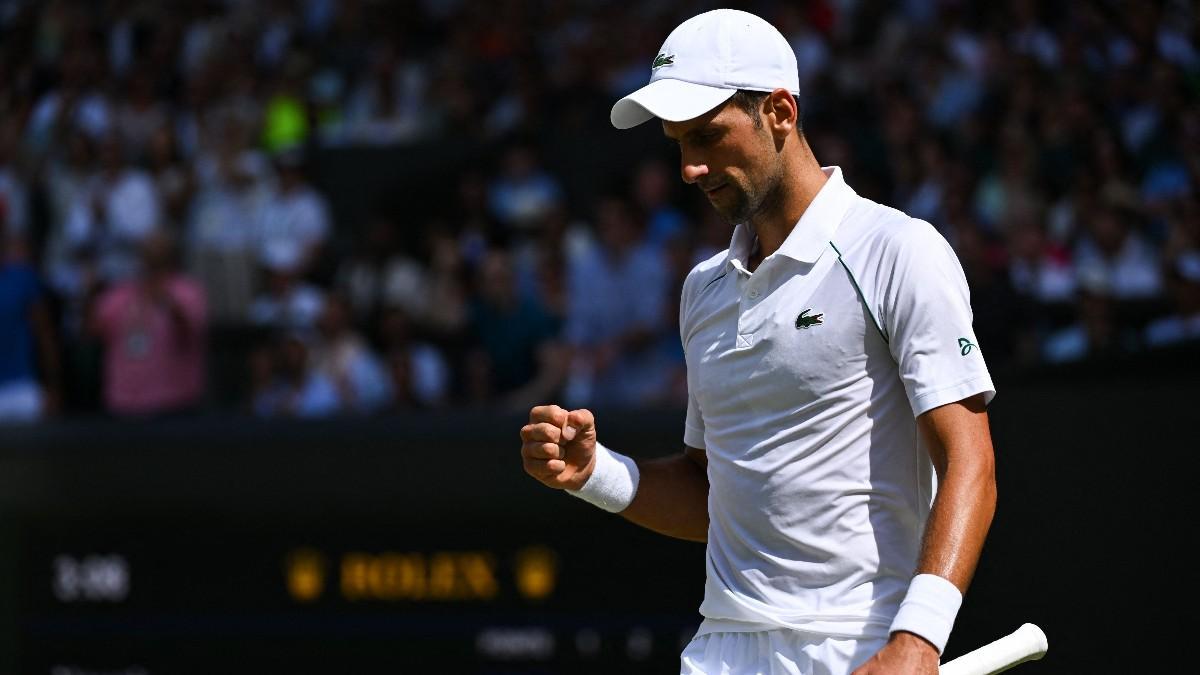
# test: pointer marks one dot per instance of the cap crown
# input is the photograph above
(730, 49)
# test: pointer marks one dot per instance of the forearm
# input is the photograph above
(959, 445)
(672, 498)
(966, 501)
(959, 521)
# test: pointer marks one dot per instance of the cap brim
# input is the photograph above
(671, 100)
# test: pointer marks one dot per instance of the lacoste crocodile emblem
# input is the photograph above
(805, 321)
(662, 60)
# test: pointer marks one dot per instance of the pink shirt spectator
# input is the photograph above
(154, 360)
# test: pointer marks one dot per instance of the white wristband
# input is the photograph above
(929, 609)
(613, 483)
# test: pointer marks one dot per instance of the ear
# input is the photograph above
(781, 113)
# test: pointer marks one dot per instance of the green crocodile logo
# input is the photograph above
(662, 60)
(965, 346)
(804, 321)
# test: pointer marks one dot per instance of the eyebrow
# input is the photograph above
(710, 126)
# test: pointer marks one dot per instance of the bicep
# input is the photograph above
(697, 455)
(958, 433)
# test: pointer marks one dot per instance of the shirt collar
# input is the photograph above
(812, 233)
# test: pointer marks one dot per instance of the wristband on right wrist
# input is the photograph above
(929, 609)
(613, 483)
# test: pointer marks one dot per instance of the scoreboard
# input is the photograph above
(300, 556)
(169, 597)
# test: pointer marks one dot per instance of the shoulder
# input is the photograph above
(705, 272)
(881, 246)
(875, 230)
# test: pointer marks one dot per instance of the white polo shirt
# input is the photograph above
(805, 378)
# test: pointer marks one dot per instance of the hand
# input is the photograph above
(559, 446)
(904, 654)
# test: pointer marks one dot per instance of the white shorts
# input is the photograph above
(775, 652)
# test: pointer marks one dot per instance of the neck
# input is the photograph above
(802, 180)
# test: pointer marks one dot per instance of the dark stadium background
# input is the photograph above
(223, 535)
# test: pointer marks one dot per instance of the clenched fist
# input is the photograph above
(559, 446)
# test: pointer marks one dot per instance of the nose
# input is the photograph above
(692, 170)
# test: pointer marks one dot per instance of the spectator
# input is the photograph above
(444, 314)
(1039, 269)
(153, 329)
(524, 191)
(14, 193)
(66, 181)
(380, 273)
(343, 357)
(1182, 324)
(171, 177)
(295, 214)
(419, 371)
(232, 181)
(1095, 333)
(1112, 250)
(287, 384)
(76, 104)
(30, 370)
(387, 105)
(652, 186)
(140, 114)
(616, 312)
(288, 302)
(118, 209)
(517, 350)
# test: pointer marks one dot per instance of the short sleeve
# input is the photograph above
(693, 423)
(927, 315)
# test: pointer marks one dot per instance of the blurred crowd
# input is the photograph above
(165, 247)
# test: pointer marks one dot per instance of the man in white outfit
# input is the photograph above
(837, 458)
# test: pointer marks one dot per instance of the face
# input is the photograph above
(734, 162)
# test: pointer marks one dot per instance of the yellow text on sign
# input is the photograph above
(465, 575)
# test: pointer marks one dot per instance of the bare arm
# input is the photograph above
(559, 449)
(960, 446)
(672, 496)
(959, 441)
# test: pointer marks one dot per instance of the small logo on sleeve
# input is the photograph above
(805, 321)
(662, 60)
(965, 346)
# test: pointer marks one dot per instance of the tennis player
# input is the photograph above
(837, 457)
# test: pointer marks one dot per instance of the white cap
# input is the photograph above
(704, 61)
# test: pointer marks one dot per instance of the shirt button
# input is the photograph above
(753, 293)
